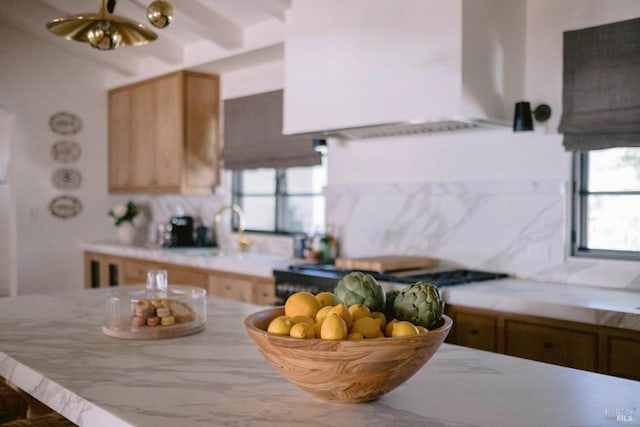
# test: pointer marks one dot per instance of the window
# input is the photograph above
(283, 200)
(607, 203)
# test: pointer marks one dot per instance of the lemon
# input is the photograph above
(333, 328)
(422, 329)
(343, 312)
(389, 328)
(325, 298)
(380, 318)
(359, 311)
(367, 326)
(281, 325)
(355, 336)
(303, 330)
(302, 319)
(404, 329)
(302, 304)
(322, 313)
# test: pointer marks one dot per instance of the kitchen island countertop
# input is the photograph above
(52, 346)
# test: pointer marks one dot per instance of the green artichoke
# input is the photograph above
(420, 304)
(360, 288)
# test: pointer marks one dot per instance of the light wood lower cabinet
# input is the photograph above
(106, 270)
(476, 331)
(606, 350)
(243, 288)
(552, 344)
(101, 270)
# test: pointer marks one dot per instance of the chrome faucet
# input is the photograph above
(243, 241)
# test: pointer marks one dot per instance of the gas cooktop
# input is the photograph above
(441, 278)
(318, 277)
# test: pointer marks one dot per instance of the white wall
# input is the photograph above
(483, 158)
(36, 82)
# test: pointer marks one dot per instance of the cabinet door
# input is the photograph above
(168, 125)
(187, 277)
(230, 287)
(101, 270)
(476, 331)
(120, 161)
(624, 357)
(143, 135)
(135, 271)
(201, 132)
(565, 347)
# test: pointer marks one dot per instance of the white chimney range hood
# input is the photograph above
(361, 69)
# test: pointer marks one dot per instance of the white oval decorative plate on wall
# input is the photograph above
(65, 207)
(64, 123)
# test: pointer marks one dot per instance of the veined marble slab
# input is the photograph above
(52, 347)
(596, 306)
(251, 263)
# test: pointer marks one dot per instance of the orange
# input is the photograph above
(302, 304)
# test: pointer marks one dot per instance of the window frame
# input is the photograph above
(580, 206)
(280, 198)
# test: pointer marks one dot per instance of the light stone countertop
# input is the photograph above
(598, 306)
(563, 301)
(251, 263)
(51, 345)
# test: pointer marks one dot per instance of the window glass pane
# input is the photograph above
(260, 213)
(613, 222)
(306, 180)
(304, 213)
(259, 181)
(615, 169)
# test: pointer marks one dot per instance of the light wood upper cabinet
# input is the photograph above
(164, 135)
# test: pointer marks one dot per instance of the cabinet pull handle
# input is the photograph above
(473, 332)
(548, 345)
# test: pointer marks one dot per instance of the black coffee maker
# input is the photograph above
(181, 231)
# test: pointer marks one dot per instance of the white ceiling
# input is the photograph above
(210, 35)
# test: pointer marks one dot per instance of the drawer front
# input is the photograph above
(565, 347)
(476, 331)
(135, 272)
(624, 357)
(179, 276)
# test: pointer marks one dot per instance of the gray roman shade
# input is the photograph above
(253, 135)
(601, 94)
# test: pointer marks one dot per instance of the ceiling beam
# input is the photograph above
(275, 8)
(211, 24)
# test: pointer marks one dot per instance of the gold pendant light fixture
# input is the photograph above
(105, 31)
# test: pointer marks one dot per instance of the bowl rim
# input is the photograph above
(250, 327)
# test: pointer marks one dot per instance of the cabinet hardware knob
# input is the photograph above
(548, 345)
(473, 331)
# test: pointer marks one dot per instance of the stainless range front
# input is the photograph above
(319, 277)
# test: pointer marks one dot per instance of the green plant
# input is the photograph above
(124, 213)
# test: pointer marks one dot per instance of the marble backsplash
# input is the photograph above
(160, 208)
(518, 228)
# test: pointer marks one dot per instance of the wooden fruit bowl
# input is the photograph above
(344, 371)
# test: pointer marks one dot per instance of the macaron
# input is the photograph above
(167, 321)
